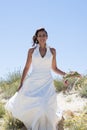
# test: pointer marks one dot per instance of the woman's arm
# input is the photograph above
(27, 66)
(54, 65)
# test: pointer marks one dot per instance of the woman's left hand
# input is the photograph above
(66, 82)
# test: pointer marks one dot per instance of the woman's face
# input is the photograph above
(42, 37)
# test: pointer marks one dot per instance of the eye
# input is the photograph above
(44, 35)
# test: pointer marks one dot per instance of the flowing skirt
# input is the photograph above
(35, 106)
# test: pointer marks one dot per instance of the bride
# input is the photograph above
(35, 102)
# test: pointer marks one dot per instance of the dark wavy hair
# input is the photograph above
(35, 41)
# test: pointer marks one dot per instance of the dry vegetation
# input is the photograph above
(9, 86)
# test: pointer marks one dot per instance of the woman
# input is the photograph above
(35, 103)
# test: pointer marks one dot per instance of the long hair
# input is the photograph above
(35, 41)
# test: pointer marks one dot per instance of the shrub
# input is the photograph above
(2, 110)
(11, 123)
(83, 91)
(76, 122)
(10, 85)
(59, 85)
(81, 86)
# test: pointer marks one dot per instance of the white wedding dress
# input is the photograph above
(36, 102)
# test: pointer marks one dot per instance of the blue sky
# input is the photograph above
(65, 22)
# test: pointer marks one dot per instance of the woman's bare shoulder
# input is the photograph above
(53, 50)
(31, 50)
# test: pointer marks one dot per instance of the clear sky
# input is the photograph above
(65, 22)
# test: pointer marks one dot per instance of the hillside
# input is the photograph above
(72, 103)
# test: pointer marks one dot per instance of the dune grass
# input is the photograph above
(76, 122)
(2, 110)
(10, 123)
(9, 86)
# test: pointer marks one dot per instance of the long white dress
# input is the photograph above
(36, 102)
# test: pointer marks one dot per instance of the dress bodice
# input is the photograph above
(39, 63)
(41, 66)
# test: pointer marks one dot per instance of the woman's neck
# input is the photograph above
(42, 46)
